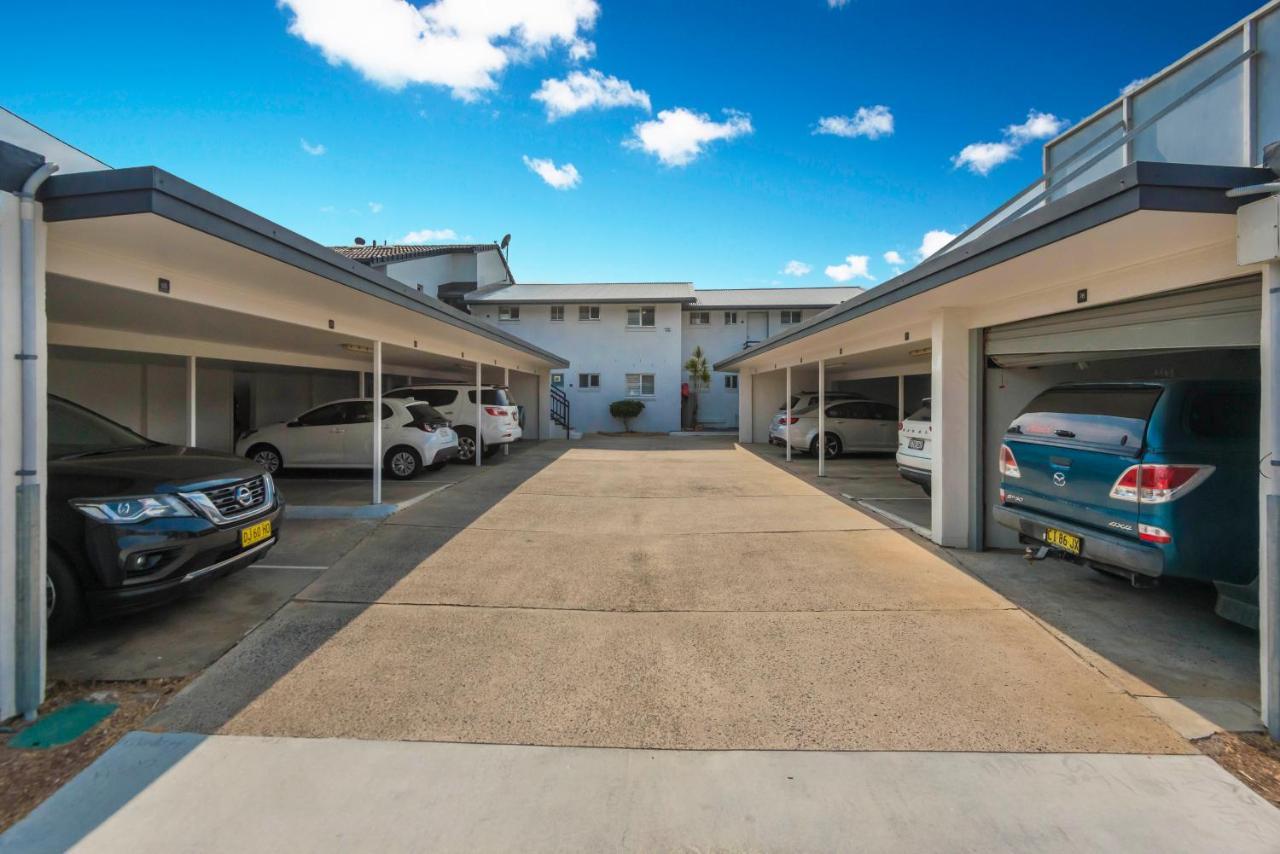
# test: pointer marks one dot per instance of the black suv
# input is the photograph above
(134, 523)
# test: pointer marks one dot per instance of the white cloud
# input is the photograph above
(676, 137)
(458, 44)
(837, 4)
(426, 235)
(564, 177)
(1037, 126)
(871, 122)
(375, 207)
(797, 268)
(1133, 85)
(588, 90)
(580, 50)
(894, 257)
(981, 157)
(314, 150)
(933, 241)
(854, 267)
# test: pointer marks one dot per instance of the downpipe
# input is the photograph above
(30, 581)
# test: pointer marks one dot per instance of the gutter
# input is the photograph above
(30, 576)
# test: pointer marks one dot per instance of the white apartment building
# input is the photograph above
(631, 340)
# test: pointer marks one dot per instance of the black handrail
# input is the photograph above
(560, 409)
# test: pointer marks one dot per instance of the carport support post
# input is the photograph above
(822, 417)
(479, 415)
(902, 397)
(377, 422)
(506, 381)
(1269, 566)
(787, 431)
(954, 433)
(191, 401)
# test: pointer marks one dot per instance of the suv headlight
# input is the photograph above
(132, 509)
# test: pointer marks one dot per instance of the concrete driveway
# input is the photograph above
(687, 595)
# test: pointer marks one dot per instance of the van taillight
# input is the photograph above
(785, 420)
(1008, 464)
(1158, 483)
(495, 411)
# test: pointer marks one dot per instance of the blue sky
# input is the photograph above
(443, 135)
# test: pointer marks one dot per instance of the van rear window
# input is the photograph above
(491, 397)
(1107, 416)
(1214, 414)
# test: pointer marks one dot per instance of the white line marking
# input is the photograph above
(284, 566)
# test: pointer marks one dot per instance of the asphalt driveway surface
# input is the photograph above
(686, 595)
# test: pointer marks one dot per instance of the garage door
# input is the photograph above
(1222, 315)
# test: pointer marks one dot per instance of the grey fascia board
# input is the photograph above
(772, 307)
(16, 165)
(490, 299)
(146, 189)
(1179, 187)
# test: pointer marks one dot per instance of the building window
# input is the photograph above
(639, 385)
(731, 382)
(557, 380)
(588, 312)
(699, 318)
(588, 381)
(557, 312)
(508, 312)
(641, 318)
(790, 317)
(730, 318)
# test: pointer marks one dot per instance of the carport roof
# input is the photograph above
(147, 189)
(593, 292)
(1177, 187)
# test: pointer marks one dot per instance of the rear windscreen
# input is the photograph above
(491, 397)
(1108, 417)
(424, 413)
(921, 414)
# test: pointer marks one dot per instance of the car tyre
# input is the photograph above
(466, 445)
(402, 463)
(834, 448)
(267, 456)
(64, 601)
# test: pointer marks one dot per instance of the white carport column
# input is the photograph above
(746, 407)
(377, 422)
(787, 431)
(506, 382)
(479, 416)
(953, 433)
(822, 417)
(1269, 553)
(902, 397)
(191, 401)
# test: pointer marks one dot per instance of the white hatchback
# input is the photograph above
(915, 447)
(340, 435)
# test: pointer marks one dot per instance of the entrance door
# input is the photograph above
(757, 325)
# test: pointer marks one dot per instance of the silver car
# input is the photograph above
(852, 425)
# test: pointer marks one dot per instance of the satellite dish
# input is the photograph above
(506, 241)
(359, 241)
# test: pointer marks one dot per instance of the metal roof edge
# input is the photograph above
(149, 189)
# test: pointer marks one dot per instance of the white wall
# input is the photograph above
(490, 269)
(435, 271)
(609, 348)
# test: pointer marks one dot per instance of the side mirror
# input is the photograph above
(294, 424)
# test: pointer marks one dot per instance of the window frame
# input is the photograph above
(730, 318)
(512, 313)
(731, 382)
(588, 314)
(704, 315)
(552, 313)
(639, 311)
(593, 383)
(557, 380)
(640, 375)
(790, 317)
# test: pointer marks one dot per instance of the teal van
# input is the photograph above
(1142, 479)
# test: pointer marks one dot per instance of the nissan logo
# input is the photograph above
(244, 495)
(1059, 479)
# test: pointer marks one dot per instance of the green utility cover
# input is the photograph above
(63, 726)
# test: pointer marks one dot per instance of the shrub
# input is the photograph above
(626, 410)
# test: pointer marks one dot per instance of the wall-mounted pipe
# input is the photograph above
(30, 586)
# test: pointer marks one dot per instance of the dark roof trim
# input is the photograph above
(1181, 187)
(778, 306)
(638, 301)
(146, 189)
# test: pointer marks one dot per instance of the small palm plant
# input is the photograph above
(699, 378)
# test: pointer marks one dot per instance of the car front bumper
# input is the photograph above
(1096, 546)
(193, 560)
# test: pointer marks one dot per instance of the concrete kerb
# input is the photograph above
(357, 511)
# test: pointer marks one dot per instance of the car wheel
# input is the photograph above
(466, 445)
(267, 457)
(834, 448)
(64, 603)
(403, 463)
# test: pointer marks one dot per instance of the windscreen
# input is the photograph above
(76, 431)
(1111, 417)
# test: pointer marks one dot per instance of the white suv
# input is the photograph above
(339, 434)
(915, 447)
(457, 402)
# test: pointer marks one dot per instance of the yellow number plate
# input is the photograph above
(255, 533)
(1063, 540)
